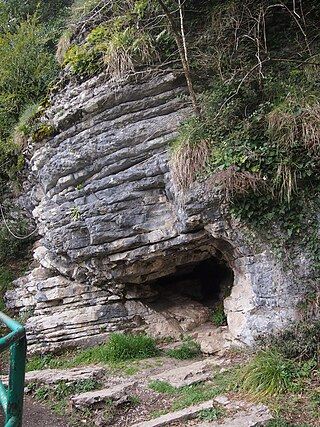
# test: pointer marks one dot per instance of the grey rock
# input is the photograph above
(111, 221)
(52, 376)
(92, 398)
(187, 375)
(184, 414)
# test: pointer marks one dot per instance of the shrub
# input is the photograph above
(300, 341)
(11, 246)
(26, 69)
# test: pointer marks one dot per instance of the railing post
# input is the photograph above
(16, 382)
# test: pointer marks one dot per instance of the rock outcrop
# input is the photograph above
(112, 223)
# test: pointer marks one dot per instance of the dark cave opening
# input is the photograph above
(207, 282)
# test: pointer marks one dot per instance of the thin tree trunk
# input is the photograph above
(182, 48)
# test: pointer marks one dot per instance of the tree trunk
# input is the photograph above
(182, 48)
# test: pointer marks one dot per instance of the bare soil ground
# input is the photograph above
(38, 415)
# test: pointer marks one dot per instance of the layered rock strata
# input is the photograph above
(112, 223)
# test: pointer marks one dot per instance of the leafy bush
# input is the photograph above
(27, 68)
(28, 34)
(11, 246)
(300, 341)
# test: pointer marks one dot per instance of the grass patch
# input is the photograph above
(188, 350)
(194, 394)
(267, 374)
(131, 370)
(120, 348)
(129, 347)
(280, 422)
(162, 387)
(286, 377)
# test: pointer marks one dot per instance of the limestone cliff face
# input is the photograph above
(112, 224)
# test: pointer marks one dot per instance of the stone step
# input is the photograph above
(241, 419)
(190, 374)
(183, 414)
(93, 398)
(245, 414)
(53, 376)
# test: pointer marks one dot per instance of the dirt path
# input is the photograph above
(38, 415)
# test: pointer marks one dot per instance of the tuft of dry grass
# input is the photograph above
(187, 161)
(285, 180)
(310, 128)
(63, 46)
(125, 50)
(235, 182)
(290, 130)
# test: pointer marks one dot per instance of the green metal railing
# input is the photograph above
(12, 398)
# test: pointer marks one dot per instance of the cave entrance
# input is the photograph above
(193, 294)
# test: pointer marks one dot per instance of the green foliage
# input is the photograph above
(10, 246)
(27, 67)
(30, 125)
(75, 214)
(162, 387)
(28, 34)
(23, 77)
(211, 414)
(128, 347)
(188, 350)
(43, 361)
(261, 126)
(41, 393)
(267, 374)
(300, 341)
(6, 278)
(17, 11)
(218, 316)
(57, 396)
(193, 394)
(119, 348)
(186, 396)
(132, 37)
(281, 422)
